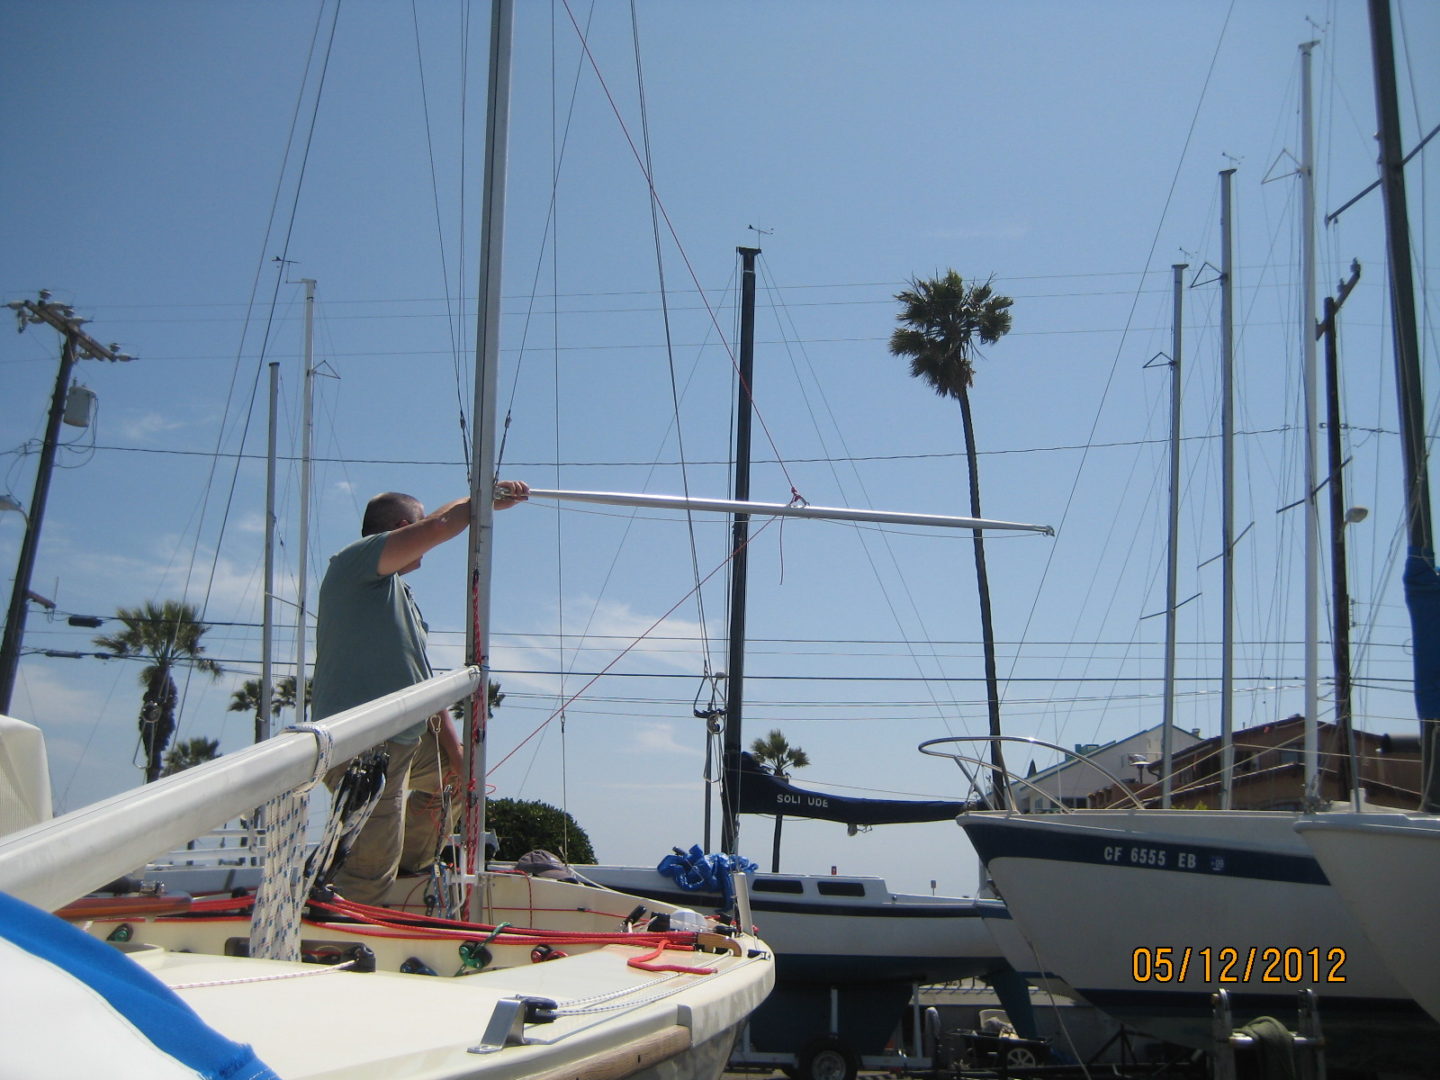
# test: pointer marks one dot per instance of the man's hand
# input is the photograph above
(510, 492)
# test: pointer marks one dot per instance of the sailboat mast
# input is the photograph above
(1172, 559)
(1312, 426)
(307, 427)
(739, 543)
(267, 604)
(482, 466)
(1422, 584)
(1227, 494)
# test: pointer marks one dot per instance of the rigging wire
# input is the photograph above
(659, 206)
(549, 241)
(282, 261)
(778, 302)
(608, 668)
(451, 318)
(1115, 363)
(649, 170)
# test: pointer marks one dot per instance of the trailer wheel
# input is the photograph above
(1021, 1057)
(828, 1058)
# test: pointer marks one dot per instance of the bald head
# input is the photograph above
(388, 511)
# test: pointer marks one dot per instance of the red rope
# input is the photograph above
(428, 928)
(643, 963)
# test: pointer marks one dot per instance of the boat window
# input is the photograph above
(785, 885)
(840, 888)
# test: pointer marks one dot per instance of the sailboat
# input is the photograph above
(539, 980)
(1180, 904)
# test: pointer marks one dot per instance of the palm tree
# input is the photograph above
(943, 322)
(282, 696)
(190, 753)
(775, 751)
(495, 697)
(167, 635)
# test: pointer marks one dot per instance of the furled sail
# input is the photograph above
(762, 792)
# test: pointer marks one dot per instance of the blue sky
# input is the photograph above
(1070, 150)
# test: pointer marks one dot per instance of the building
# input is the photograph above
(1270, 771)
(1071, 783)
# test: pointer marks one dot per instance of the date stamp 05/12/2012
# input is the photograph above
(1271, 964)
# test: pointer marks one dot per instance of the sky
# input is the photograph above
(174, 170)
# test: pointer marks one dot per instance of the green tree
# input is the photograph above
(775, 751)
(187, 754)
(943, 323)
(523, 825)
(282, 696)
(167, 635)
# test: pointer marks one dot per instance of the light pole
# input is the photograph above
(76, 345)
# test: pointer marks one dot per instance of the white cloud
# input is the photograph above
(145, 427)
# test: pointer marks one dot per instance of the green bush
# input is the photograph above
(526, 825)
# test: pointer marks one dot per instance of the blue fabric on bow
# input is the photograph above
(696, 871)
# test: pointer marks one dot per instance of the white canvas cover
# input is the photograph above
(24, 776)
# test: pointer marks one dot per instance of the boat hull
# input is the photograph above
(1357, 851)
(1147, 913)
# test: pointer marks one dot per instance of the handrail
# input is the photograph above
(57, 861)
(924, 749)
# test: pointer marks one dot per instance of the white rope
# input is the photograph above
(308, 973)
(275, 920)
(326, 747)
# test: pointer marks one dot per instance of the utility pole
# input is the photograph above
(77, 345)
(1339, 518)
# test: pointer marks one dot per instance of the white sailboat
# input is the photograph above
(583, 990)
(1177, 904)
(1379, 864)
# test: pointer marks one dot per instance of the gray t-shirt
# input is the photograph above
(369, 636)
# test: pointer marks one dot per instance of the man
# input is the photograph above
(369, 642)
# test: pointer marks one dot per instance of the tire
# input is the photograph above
(828, 1058)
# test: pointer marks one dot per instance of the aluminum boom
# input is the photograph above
(832, 513)
(57, 861)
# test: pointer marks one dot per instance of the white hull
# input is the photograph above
(1147, 912)
(1018, 951)
(1386, 868)
(843, 929)
(310, 1021)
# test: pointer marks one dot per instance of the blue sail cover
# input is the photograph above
(1422, 596)
(70, 1001)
